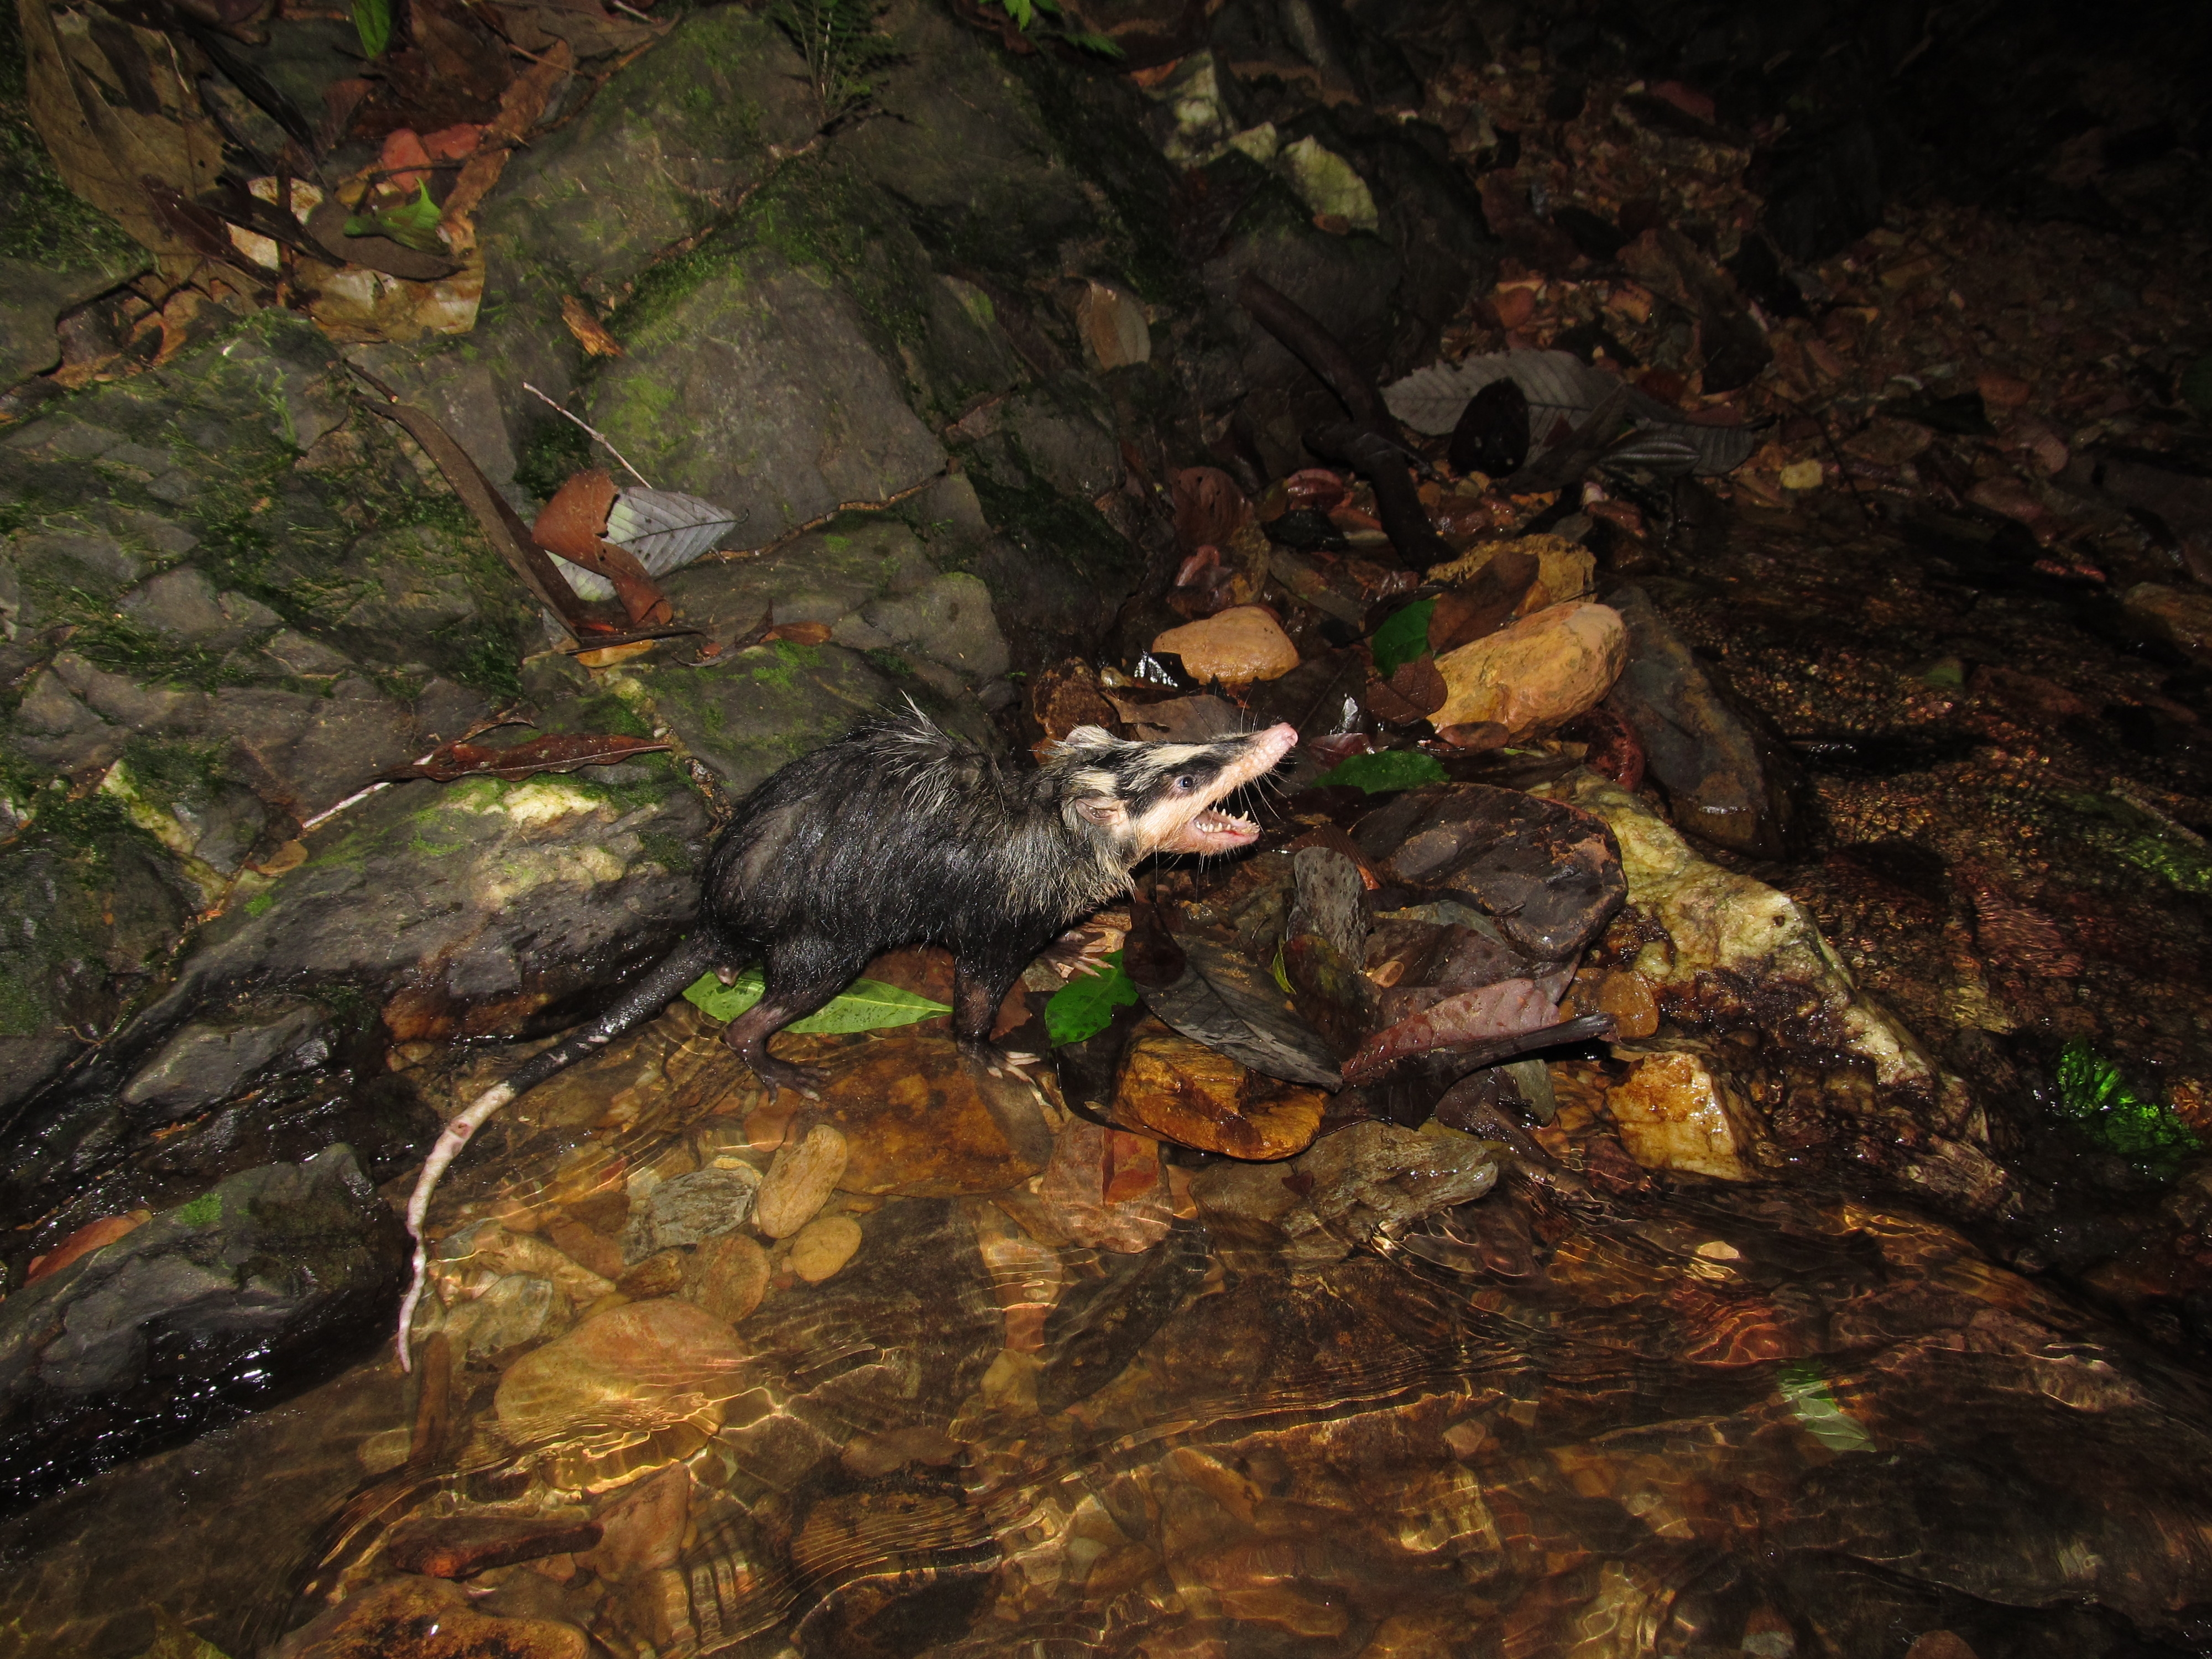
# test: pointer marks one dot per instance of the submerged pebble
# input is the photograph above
(799, 1182)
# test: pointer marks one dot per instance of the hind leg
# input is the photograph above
(799, 981)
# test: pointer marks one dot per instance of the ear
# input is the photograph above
(1088, 737)
(1102, 809)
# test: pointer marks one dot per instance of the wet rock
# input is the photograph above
(462, 1545)
(643, 1526)
(919, 1120)
(2181, 616)
(95, 900)
(1740, 955)
(418, 1618)
(1724, 784)
(488, 1245)
(628, 1388)
(746, 715)
(1103, 1188)
(1349, 1187)
(689, 1209)
(1540, 673)
(1565, 571)
(1237, 647)
(799, 1182)
(182, 603)
(34, 292)
(209, 1060)
(949, 621)
(760, 389)
(1676, 1112)
(1377, 1176)
(514, 1310)
(727, 1276)
(241, 1293)
(658, 1274)
(823, 1246)
(1197, 1097)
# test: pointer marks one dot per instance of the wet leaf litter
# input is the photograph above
(1858, 1056)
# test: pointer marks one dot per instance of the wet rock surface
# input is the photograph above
(1758, 911)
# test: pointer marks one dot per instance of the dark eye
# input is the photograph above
(1185, 782)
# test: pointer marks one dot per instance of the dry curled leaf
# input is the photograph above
(573, 525)
(560, 751)
(591, 333)
(1511, 1008)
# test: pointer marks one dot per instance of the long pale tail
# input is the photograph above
(641, 1002)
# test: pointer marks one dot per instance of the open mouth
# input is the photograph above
(1213, 831)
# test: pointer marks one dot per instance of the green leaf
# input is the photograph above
(1386, 770)
(1085, 1006)
(412, 224)
(1805, 1390)
(1104, 45)
(1281, 970)
(866, 1005)
(1022, 12)
(2096, 1094)
(371, 21)
(1403, 638)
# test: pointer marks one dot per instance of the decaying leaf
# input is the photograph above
(118, 110)
(666, 528)
(520, 106)
(572, 527)
(591, 333)
(1511, 1008)
(560, 751)
(1209, 507)
(1563, 393)
(1226, 1001)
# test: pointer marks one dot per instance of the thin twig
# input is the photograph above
(642, 480)
(330, 813)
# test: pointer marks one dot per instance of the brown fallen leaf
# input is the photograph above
(591, 333)
(1510, 1008)
(559, 752)
(107, 145)
(1209, 507)
(574, 524)
(520, 107)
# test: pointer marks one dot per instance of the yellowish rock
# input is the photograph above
(1675, 1112)
(1541, 672)
(823, 1246)
(1238, 646)
(638, 1385)
(1802, 475)
(1186, 1092)
(1565, 570)
(799, 1183)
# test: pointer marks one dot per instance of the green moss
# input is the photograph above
(261, 903)
(203, 1212)
(2117, 1117)
(785, 657)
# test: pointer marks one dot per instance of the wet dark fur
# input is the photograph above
(900, 835)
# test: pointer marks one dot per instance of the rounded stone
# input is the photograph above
(799, 1182)
(823, 1246)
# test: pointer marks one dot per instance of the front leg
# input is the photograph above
(978, 991)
